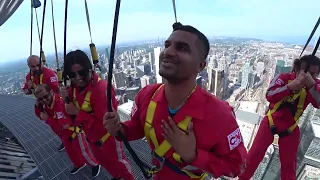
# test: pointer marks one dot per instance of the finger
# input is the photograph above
(107, 121)
(166, 128)
(172, 124)
(110, 115)
(167, 138)
(190, 129)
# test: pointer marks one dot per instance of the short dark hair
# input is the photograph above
(203, 39)
(309, 59)
(76, 57)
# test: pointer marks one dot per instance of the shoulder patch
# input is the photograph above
(53, 79)
(60, 115)
(234, 139)
(279, 82)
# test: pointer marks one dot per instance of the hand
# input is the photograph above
(64, 92)
(30, 84)
(112, 123)
(183, 144)
(44, 116)
(308, 80)
(71, 109)
(66, 126)
(297, 84)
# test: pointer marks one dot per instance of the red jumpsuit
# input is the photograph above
(110, 153)
(77, 149)
(283, 119)
(219, 143)
(47, 76)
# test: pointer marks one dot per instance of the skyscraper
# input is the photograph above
(216, 82)
(245, 75)
(157, 52)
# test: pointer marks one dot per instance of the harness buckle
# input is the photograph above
(284, 133)
(273, 129)
(99, 143)
(161, 161)
(70, 139)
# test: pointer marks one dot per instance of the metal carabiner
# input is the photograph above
(160, 159)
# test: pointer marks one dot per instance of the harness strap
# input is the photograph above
(161, 149)
(85, 106)
(32, 79)
(298, 112)
(76, 130)
(103, 139)
(88, 18)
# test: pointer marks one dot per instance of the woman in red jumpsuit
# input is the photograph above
(282, 118)
(54, 114)
(191, 132)
(89, 104)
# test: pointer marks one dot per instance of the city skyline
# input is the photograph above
(267, 20)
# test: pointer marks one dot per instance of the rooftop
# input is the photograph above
(316, 129)
(249, 106)
(126, 107)
(248, 117)
(41, 143)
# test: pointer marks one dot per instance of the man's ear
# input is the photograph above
(202, 66)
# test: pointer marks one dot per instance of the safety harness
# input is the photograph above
(161, 149)
(32, 79)
(288, 102)
(76, 130)
(85, 106)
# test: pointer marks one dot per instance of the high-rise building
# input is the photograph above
(147, 68)
(140, 71)
(119, 79)
(132, 92)
(248, 121)
(151, 60)
(147, 80)
(157, 52)
(129, 80)
(281, 67)
(245, 74)
(216, 82)
(124, 111)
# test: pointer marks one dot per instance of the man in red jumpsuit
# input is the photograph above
(289, 94)
(89, 104)
(54, 114)
(191, 132)
(47, 76)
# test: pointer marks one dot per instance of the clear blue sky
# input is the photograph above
(145, 19)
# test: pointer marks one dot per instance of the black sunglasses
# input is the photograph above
(81, 73)
(44, 97)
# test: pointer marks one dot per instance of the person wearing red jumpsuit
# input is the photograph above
(283, 118)
(54, 114)
(89, 104)
(212, 143)
(48, 76)
(45, 75)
